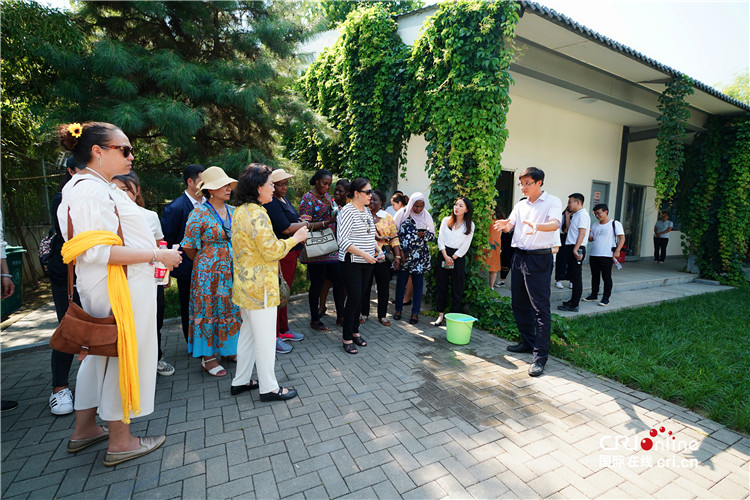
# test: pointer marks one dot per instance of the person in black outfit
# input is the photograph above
(173, 222)
(61, 399)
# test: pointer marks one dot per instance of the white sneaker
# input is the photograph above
(164, 369)
(61, 403)
(558, 284)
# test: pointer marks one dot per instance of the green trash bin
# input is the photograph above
(15, 268)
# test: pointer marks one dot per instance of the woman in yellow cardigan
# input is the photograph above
(123, 387)
(257, 252)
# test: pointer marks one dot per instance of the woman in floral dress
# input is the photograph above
(214, 320)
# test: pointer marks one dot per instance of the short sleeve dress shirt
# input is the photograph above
(545, 209)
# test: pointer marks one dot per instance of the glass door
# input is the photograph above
(635, 198)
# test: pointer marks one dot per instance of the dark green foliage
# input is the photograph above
(200, 81)
(669, 149)
(336, 12)
(713, 199)
(693, 351)
(358, 85)
(460, 101)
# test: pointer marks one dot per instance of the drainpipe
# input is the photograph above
(621, 173)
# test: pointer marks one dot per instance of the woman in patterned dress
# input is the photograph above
(316, 208)
(416, 230)
(214, 319)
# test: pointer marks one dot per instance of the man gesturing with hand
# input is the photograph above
(537, 218)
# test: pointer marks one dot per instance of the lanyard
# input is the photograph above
(226, 225)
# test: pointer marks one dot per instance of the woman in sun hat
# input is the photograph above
(285, 220)
(214, 320)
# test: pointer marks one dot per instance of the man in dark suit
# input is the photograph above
(173, 222)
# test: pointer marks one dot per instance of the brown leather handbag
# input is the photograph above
(78, 331)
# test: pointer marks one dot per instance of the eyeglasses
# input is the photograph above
(126, 150)
(368, 192)
(526, 184)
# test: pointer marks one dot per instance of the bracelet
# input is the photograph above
(153, 261)
(6, 275)
(398, 257)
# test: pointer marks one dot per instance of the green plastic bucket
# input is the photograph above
(459, 328)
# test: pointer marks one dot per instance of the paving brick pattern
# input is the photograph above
(410, 416)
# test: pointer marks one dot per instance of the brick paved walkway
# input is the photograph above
(410, 416)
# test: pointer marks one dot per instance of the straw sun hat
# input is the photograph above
(279, 175)
(215, 178)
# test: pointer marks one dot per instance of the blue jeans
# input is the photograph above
(417, 281)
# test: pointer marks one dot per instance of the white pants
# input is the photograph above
(257, 346)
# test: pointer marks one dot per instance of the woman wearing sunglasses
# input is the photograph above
(357, 254)
(214, 320)
(96, 209)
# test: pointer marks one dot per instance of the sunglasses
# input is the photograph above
(368, 192)
(126, 150)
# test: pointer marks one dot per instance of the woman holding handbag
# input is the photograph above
(257, 253)
(316, 208)
(116, 389)
(386, 238)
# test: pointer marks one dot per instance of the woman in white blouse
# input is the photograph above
(357, 254)
(454, 240)
(95, 204)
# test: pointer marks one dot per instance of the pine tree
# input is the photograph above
(186, 81)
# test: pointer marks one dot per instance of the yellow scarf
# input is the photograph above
(119, 298)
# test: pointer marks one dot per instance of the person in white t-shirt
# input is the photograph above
(607, 239)
(578, 233)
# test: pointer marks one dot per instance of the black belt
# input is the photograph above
(541, 251)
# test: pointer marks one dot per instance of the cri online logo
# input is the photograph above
(631, 443)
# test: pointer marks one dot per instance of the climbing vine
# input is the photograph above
(460, 101)
(669, 149)
(357, 84)
(713, 199)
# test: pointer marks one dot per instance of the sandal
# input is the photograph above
(216, 371)
(359, 340)
(318, 325)
(350, 349)
(397, 315)
(363, 319)
(438, 322)
(384, 322)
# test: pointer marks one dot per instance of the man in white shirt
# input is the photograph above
(578, 233)
(536, 219)
(607, 238)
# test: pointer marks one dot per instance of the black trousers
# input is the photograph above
(183, 290)
(660, 249)
(561, 263)
(601, 266)
(61, 362)
(575, 276)
(356, 275)
(382, 276)
(318, 273)
(455, 278)
(530, 277)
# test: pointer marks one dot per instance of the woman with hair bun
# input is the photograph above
(124, 387)
(316, 208)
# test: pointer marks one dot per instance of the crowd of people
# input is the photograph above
(233, 246)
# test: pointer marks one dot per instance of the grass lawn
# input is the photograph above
(694, 352)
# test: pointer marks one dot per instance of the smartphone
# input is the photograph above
(446, 266)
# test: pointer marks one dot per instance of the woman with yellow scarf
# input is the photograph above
(123, 387)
